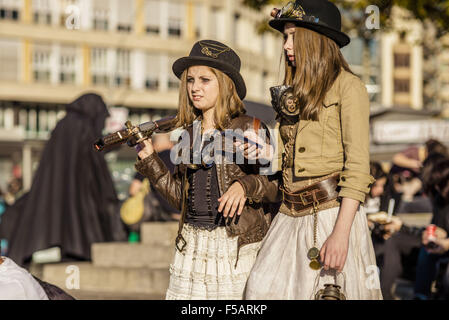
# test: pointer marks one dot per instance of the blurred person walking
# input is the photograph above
(72, 202)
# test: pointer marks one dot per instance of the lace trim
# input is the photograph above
(198, 227)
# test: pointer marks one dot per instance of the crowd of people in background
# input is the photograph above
(418, 182)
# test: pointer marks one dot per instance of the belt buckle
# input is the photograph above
(302, 196)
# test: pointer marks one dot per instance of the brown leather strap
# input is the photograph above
(180, 242)
(317, 193)
(256, 125)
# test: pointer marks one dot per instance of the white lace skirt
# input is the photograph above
(206, 267)
(282, 268)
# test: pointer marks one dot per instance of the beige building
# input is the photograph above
(443, 92)
(402, 63)
(51, 51)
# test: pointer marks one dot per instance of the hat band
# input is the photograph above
(293, 10)
(299, 18)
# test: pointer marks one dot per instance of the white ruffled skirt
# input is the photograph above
(282, 270)
(206, 267)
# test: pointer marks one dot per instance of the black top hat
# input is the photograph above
(321, 16)
(217, 55)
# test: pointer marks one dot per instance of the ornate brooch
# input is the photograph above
(293, 10)
(212, 50)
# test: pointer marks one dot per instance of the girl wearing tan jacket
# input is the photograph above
(320, 236)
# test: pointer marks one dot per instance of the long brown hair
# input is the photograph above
(318, 63)
(228, 103)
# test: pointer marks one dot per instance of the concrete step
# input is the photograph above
(131, 255)
(159, 233)
(107, 279)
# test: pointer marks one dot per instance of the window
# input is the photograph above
(9, 57)
(173, 81)
(402, 85)
(99, 66)
(213, 23)
(41, 62)
(101, 13)
(126, 13)
(123, 68)
(198, 16)
(374, 49)
(354, 52)
(9, 9)
(235, 28)
(153, 63)
(216, 23)
(263, 43)
(67, 62)
(402, 60)
(152, 16)
(175, 19)
(42, 12)
(263, 83)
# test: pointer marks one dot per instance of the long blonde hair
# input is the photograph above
(228, 105)
(318, 63)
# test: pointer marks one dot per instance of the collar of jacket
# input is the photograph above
(331, 99)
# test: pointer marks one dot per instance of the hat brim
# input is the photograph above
(339, 37)
(183, 63)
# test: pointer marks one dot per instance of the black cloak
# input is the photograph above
(72, 202)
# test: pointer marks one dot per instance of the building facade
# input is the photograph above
(51, 51)
(402, 62)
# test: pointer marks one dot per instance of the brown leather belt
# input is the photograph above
(318, 193)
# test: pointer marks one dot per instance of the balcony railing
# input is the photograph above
(29, 122)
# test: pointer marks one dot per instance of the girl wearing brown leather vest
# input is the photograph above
(319, 245)
(222, 217)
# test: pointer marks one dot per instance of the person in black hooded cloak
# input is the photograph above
(72, 202)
